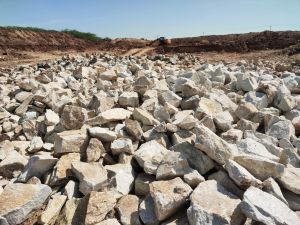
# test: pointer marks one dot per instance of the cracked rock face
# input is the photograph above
(105, 139)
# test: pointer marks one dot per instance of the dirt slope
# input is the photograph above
(234, 42)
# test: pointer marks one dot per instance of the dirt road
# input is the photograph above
(139, 51)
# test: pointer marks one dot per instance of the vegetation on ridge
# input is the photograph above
(75, 33)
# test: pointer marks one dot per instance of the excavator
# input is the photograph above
(164, 41)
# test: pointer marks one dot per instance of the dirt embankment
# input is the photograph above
(26, 40)
(234, 42)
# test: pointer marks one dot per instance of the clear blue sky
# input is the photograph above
(153, 18)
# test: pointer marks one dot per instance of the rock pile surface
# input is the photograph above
(154, 140)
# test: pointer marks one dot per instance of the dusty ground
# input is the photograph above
(26, 47)
(30, 57)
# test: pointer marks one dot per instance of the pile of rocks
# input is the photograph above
(149, 140)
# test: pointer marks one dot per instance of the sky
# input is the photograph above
(153, 18)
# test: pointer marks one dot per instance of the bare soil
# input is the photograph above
(24, 47)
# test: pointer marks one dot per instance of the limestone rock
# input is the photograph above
(121, 177)
(94, 150)
(130, 99)
(12, 163)
(104, 134)
(174, 164)
(212, 203)
(252, 147)
(215, 147)
(144, 117)
(35, 145)
(290, 179)
(266, 208)
(69, 141)
(92, 177)
(133, 128)
(147, 211)
(150, 155)
(73, 117)
(196, 159)
(18, 200)
(122, 145)
(260, 167)
(142, 182)
(169, 197)
(62, 170)
(51, 118)
(240, 175)
(52, 210)
(37, 166)
(270, 186)
(98, 206)
(127, 208)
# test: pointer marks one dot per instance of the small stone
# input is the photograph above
(121, 177)
(133, 128)
(52, 210)
(247, 84)
(196, 159)
(69, 141)
(12, 163)
(223, 121)
(281, 129)
(241, 176)
(62, 169)
(36, 144)
(170, 97)
(246, 111)
(51, 118)
(290, 179)
(252, 147)
(214, 146)
(169, 197)
(129, 99)
(147, 211)
(262, 168)
(111, 115)
(37, 166)
(104, 134)
(98, 206)
(270, 186)
(208, 107)
(142, 182)
(193, 178)
(150, 155)
(258, 99)
(174, 164)
(122, 145)
(94, 150)
(232, 135)
(91, 177)
(127, 208)
(73, 117)
(144, 117)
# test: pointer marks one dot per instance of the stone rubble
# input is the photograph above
(104, 139)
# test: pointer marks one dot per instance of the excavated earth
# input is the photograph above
(99, 139)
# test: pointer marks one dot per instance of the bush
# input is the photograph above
(35, 29)
(83, 35)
